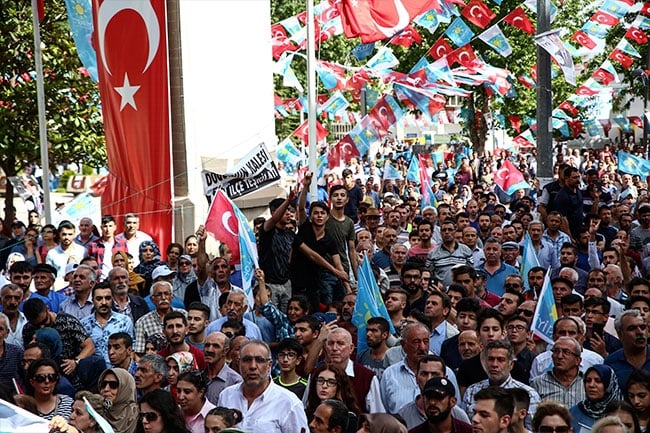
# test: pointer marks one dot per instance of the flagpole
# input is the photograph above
(311, 96)
(42, 127)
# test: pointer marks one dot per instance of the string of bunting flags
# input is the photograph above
(451, 62)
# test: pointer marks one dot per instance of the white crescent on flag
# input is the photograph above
(403, 20)
(110, 8)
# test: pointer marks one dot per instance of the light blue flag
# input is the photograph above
(80, 17)
(459, 32)
(628, 163)
(413, 173)
(529, 260)
(592, 28)
(428, 197)
(362, 51)
(624, 123)
(627, 48)
(288, 153)
(335, 103)
(616, 8)
(495, 38)
(421, 64)
(428, 20)
(391, 172)
(369, 303)
(545, 313)
(593, 127)
(247, 253)
(383, 60)
(438, 158)
(321, 165)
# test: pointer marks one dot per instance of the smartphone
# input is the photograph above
(330, 317)
(599, 329)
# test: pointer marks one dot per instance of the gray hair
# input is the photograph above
(92, 275)
(343, 331)
(572, 272)
(257, 343)
(396, 246)
(499, 344)
(619, 319)
(160, 283)
(576, 343)
(158, 363)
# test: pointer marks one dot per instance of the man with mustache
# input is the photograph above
(123, 301)
(152, 322)
(439, 399)
(219, 374)
(631, 329)
(104, 322)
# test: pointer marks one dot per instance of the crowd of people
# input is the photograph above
(165, 340)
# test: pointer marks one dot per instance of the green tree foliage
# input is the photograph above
(75, 131)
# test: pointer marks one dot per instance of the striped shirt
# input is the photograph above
(440, 261)
(549, 388)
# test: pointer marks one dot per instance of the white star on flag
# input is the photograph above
(127, 91)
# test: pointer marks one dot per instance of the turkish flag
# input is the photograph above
(569, 108)
(604, 18)
(586, 91)
(440, 49)
(583, 39)
(605, 77)
(521, 141)
(576, 127)
(636, 121)
(407, 37)
(302, 132)
(131, 46)
(464, 55)
(478, 13)
(374, 20)
(515, 122)
(622, 58)
(222, 223)
(508, 176)
(383, 112)
(637, 35)
(347, 149)
(518, 18)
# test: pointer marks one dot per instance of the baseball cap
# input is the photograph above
(161, 271)
(438, 385)
(70, 267)
(510, 245)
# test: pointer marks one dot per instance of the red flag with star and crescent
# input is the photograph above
(131, 45)
(478, 13)
(374, 20)
(222, 223)
(518, 18)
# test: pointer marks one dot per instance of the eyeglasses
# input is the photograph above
(41, 378)
(158, 295)
(526, 313)
(149, 416)
(551, 429)
(565, 352)
(330, 382)
(288, 355)
(257, 359)
(111, 383)
(512, 286)
(517, 328)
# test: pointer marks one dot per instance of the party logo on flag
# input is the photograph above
(459, 32)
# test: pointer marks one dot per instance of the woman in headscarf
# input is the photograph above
(80, 419)
(179, 363)
(601, 388)
(149, 259)
(136, 282)
(184, 277)
(117, 387)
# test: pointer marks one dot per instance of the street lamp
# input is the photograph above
(643, 74)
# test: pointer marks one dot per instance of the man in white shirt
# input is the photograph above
(266, 407)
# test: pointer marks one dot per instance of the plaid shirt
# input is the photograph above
(148, 325)
(97, 249)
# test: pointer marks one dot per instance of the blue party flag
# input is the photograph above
(628, 163)
(545, 313)
(459, 32)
